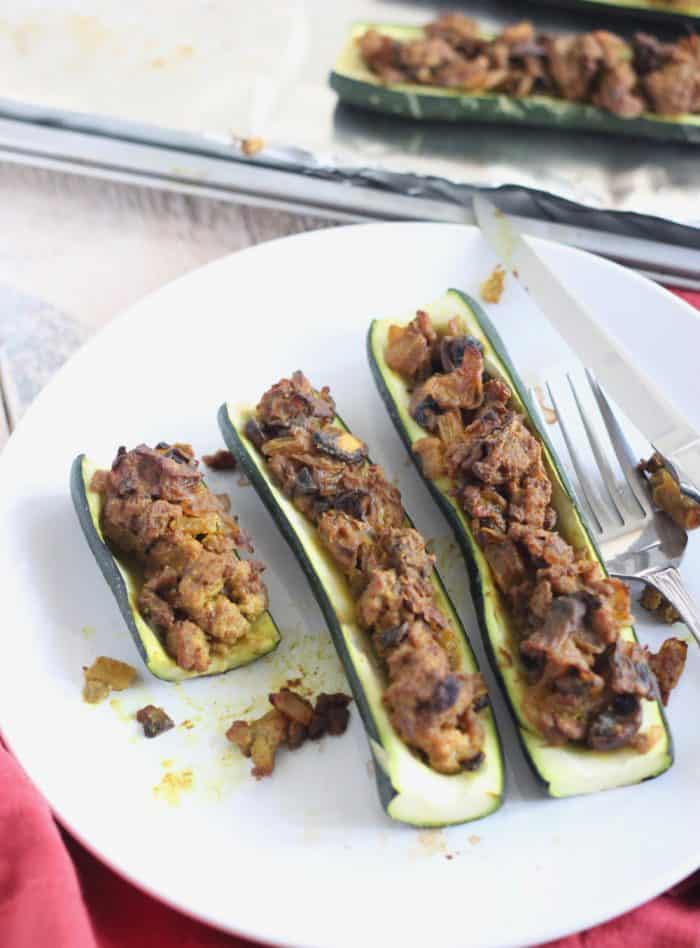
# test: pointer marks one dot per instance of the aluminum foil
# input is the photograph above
(202, 75)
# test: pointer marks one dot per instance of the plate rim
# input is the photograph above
(133, 311)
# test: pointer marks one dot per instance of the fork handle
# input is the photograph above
(669, 583)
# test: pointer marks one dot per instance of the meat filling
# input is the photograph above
(585, 682)
(599, 68)
(361, 523)
(197, 593)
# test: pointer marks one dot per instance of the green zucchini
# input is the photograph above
(355, 84)
(568, 770)
(409, 790)
(650, 9)
(124, 579)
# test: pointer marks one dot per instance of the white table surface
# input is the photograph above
(75, 251)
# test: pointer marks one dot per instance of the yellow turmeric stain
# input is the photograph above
(123, 715)
(173, 785)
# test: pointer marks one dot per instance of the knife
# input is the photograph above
(645, 405)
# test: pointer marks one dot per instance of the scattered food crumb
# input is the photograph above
(252, 146)
(492, 288)
(166, 763)
(88, 631)
(243, 481)
(652, 600)
(449, 855)
(173, 785)
(220, 461)
(666, 494)
(95, 691)
(292, 721)
(548, 413)
(475, 840)
(667, 665)
(106, 675)
(187, 724)
(154, 720)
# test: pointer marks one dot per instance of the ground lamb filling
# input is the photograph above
(325, 472)
(198, 595)
(585, 683)
(600, 68)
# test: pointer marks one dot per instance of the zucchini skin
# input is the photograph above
(386, 789)
(160, 665)
(354, 84)
(640, 8)
(477, 585)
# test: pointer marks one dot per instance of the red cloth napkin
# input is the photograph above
(53, 893)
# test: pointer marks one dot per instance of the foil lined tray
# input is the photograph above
(188, 80)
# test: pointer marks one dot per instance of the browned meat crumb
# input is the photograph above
(260, 740)
(295, 707)
(291, 721)
(252, 146)
(220, 461)
(652, 600)
(666, 494)
(585, 681)
(106, 675)
(154, 720)
(492, 287)
(330, 716)
(668, 664)
(599, 68)
(198, 595)
(95, 691)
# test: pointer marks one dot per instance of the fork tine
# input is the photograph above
(606, 517)
(554, 431)
(621, 446)
(615, 481)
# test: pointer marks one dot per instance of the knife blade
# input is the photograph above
(640, 398)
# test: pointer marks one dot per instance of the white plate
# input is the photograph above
(307, 858)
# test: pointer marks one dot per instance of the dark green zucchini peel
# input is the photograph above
(357, 85)
(649, 9)
(564, 770)
(410, 791)
(124, 579)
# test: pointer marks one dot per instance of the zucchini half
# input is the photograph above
(124, 579)
(355, 84)
(410, 791)
(650, 9)
(564, 771)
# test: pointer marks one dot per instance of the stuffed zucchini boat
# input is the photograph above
(168, 552)
(556, 628)
(595, 82)
(412, 672)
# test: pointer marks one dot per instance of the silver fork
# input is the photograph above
(636, 541)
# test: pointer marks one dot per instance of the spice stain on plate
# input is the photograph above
(172, 785)
(124, 716)
(430, 842)
(88, 631)
(475, 840)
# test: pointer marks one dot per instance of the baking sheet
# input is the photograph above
(204, 74)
